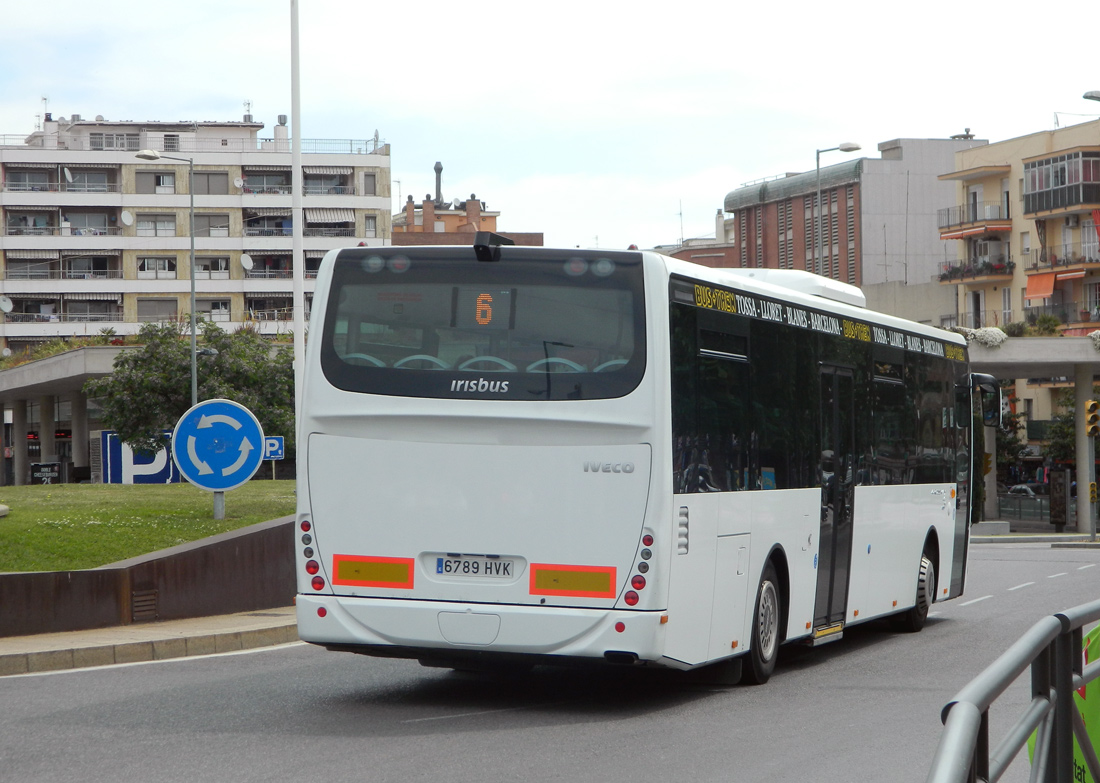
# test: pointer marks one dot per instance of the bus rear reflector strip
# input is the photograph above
(571, 580)
(360, 571)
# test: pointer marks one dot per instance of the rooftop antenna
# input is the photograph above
(45, 105)
(681, 222)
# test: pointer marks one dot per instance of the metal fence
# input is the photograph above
(1051, 649)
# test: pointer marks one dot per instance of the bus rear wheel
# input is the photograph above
(914, 619)
(764, 649)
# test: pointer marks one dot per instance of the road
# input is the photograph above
(865, 708)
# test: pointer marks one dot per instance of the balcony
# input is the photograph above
(1068, 197)
(1068, 314)
(1063, 257)
(972, 220)
(977, 270)
(981, 318)
(61, 231)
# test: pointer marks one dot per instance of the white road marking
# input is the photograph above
(1017, 587)
(976, 600)
(464, 715)
(1055, 576)
(1082, 568)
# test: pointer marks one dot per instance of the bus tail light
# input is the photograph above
(312, 567)
(631, 598)
(638, 582)
(318, 583)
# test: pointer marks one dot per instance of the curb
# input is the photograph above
(141, 651)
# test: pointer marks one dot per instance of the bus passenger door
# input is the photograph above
(837, 474)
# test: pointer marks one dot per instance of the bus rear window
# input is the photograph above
(435, 322)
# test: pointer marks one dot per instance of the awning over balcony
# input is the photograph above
(330, 215)
(268, 211)
(326, 169)
(92, 297)
(975, 230)
(1071, 275)
(247, 168)
(1040, 286)
(30, 253)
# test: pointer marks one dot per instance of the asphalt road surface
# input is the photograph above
(865, 708)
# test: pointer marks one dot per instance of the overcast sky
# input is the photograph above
(597, 123)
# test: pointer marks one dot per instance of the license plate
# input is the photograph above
(475, 566)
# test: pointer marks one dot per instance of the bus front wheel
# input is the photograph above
(765, 629)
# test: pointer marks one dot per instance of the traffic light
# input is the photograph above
(987, 464)
(1092, 418)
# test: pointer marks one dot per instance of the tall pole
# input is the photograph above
(194, 347)
(296, 212)
(818, 262)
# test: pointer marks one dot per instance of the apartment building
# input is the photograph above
(97, 240)
(1025, 248)
(876, 228)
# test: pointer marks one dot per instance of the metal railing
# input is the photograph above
(1065, 312)
(971, 213)
(978, 319)
(62, 231)
(977, 267)
(67, 141)
(1055, 256)
(61, 187)
(1051, 649)
(60, 274)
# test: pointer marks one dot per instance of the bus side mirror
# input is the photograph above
(989, 394)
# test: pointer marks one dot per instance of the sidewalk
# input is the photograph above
(1018, 532)
(147, 641)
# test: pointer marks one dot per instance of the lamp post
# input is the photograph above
(154, 155)
(844, 147)
(1092, 95)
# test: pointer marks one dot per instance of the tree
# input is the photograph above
(151, 386)
(1010, 449)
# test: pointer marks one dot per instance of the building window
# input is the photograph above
(369, 186)
(211, 183)
(157, 268)
(87, 223)
(212, 268)
(213, 309)
(27, 180)
(269, 182)
(315, 185)
(114, 141)
(171, 142)
(156, 182)
(211, 225)
(370, 223)
(1090, 242)
(88, 182)
(156, 225)
(156, 309)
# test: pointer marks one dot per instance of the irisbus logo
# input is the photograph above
(609, 467)
(480, 385)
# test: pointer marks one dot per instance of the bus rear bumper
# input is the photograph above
(434, 629)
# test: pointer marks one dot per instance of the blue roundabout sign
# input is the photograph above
(218, 445)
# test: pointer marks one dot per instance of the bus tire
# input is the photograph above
(914, 619)
(764, 649)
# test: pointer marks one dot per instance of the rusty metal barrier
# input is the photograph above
(1052, 651)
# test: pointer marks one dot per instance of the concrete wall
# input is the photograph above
(251, 568)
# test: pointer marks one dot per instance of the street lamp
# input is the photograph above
(1092, 95)
(154, 155)
(844, 147)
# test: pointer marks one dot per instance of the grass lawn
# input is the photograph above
(60, 527)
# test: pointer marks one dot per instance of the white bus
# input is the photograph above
(513, 455)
